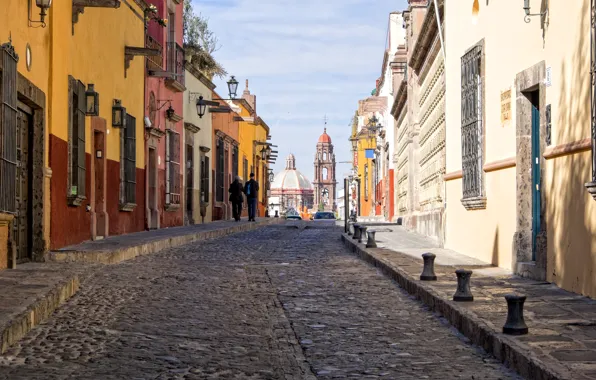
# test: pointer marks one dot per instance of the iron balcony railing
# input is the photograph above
(154, 62)
(176, 62)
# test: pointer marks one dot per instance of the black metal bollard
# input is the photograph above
(428, 272)
(276, 214)
(350, 228)
(515, 324)
(356, 235)
(362, 232)
(371, 243)
(463, 292)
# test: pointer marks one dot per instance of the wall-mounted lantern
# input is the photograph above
(264, 153)
(92, 101)
(271, 177)
(170, 112)
(43, 5)
(232, 87)
(527, 11)
(201, 107)
(118, 114)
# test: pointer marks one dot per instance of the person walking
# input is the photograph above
(251, 189)
(236, 198)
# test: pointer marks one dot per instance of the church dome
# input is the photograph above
(291, 178)
(324, 138)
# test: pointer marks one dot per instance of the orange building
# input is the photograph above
(226, 125)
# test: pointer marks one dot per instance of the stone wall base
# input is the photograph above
(427, 223)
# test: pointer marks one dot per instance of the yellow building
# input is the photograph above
(253, 136)
(24, 104)
(70, 72)
(518, 139)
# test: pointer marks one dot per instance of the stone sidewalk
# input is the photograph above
(33, 291)
(561, 343)
(115, 249)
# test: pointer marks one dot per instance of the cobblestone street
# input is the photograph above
(282, 302)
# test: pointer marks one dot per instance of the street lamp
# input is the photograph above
(170, 112)
(43, 5)
(264, 153)
(92, 101)
(271, 176)
(201, 107)
(527, 11)
(232, 87)
(118, 114)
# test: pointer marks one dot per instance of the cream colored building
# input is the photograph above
(518, 138)
(419, 116)
(198, 137)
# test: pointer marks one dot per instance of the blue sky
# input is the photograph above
(304, 60)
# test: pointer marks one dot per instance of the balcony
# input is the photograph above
(154, 62)
(175, 67)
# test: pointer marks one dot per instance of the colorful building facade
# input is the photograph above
(164, 146)
(198, 139)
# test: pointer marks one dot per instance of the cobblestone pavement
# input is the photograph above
(283, 302)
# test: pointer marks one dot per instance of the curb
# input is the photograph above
(506, 349)
(122, 254)
(38, 312)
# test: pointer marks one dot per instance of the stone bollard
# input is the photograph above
(356, 235)
(428, 273)
(371, 243)
(463, 292)
(362, 232)
(515, 324)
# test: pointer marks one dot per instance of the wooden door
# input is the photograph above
(23, 217)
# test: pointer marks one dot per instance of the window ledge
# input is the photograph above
(127, 207)
(475, 203)
(75, 200)
(591, 186)
(172, 207)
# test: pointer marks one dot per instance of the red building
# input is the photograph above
(164, 90)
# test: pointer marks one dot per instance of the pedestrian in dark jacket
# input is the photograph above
(251, 189)
(236, 198)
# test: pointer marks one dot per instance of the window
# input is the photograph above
(128, 167)
(234, 162)
(245, 169)
(324, 174)
(172, 168)
(471, 123)
(219, 171)
(8, 131)
(205, 169)
(366, 181)
(76, 142)
(324, 155)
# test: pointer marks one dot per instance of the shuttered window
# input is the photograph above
(8, 128)
(205, 170)
(128, 162)
(245, 169)
(172, 168)
(76, 142)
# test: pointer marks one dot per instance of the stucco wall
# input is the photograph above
(204, 137)
(562, 41)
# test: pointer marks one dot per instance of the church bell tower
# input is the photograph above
(325, 185)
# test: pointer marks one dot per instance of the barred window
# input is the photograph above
(219, 170)
(128, 164)
(234, 162)
(205, 169)
(471, 123)
(366, 181)
(76, 142)
(8, 128)
(245, 169)
(172, 168)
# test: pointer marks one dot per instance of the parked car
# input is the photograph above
(324, 215)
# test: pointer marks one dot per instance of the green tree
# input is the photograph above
(200, 43)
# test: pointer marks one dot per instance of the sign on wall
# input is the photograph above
(505, 107)
(356, 158)
(369, 153)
